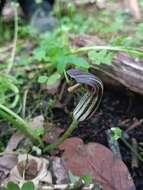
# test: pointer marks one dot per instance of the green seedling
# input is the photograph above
(26, 186)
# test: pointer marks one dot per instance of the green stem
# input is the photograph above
(131, 148)
(136, 51)
(67, 133)
(19, 123)
(11, 63)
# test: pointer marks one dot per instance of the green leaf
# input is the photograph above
(12, 186)
(116, 133)
(38, 131)
(78, 62)
(87, 179)
(124, 40)
(7, 87)
(42, 79)
(118, 41)
(65, 61)
(61, 64)
(100, 57)
(53, 78)
(23, 60)
(39, 54)
(140, 29)
(28, 186)
(115, 26)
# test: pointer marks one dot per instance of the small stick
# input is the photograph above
(11, 63)
(24, 102)
(65, 186)
(136, 124)
(62, 91)
(132, 149)
(134, 157)
(113, 144)
(74, 87)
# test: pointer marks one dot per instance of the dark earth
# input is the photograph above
(118, 109)
(122, 109)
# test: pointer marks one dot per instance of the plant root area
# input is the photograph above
(116, 110)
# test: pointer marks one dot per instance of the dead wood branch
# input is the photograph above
(124, 70)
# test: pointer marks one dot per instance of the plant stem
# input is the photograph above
(136, 51)
(19, 123)
(11, 63)
(67, 133)
(131, 148)
(113, 144)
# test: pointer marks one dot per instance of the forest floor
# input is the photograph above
(120, 108)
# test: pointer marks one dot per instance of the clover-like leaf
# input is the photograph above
(12, 186)
(28, 186)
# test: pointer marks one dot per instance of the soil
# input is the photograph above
(116, 110)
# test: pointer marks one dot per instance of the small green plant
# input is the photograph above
(117, 134)
(56, 56)
(87, 105)
(9, 93)
(54, 53)
(26, 186)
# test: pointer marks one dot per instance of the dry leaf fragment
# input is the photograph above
(52, 135)
(96, 160)
(41, 167)
(7, 162)
(14, 141)
(37, 122)
(60, 174)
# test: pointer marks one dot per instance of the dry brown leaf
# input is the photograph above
(41, 170)
(52, 135)
(13, 142)
(18, 140)
(37, 122)
(96, 160)
(59, 171)
(7, 162)
(53, 88)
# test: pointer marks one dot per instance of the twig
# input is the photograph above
(134, 157)
(132, 149)
(11, 63)
(24, 102)
(137, 123)
(64, 186)
(62, 91)
(113, 144)
(73, 88)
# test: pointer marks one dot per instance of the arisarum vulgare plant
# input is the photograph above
(90, 102)
(87, 105)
